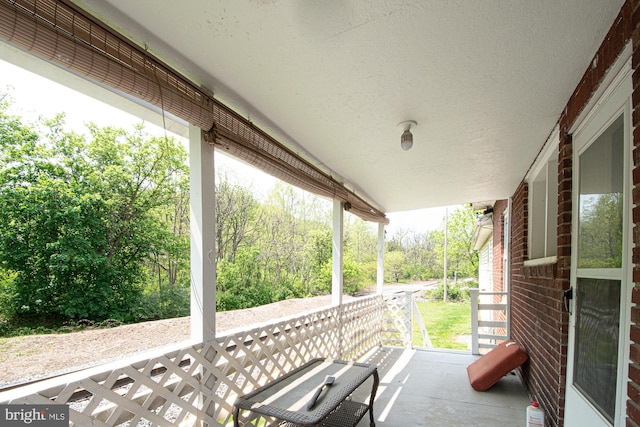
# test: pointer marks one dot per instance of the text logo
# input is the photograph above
(34, 415)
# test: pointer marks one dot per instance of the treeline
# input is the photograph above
(92, 226)
(420, 256)
(96, 226)
(280, 248)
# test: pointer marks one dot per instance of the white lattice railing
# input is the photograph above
(197, 384)
(397, 330)
(400, 312)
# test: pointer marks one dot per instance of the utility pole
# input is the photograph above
(446, 232)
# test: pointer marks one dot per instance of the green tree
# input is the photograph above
(79, 217)
(361, 245)
(360, 239)
(420, 256)
(352, 277)
(166, 294)
(292, 225)
(240, 284)
(320, 258)
(462, 261)
(600, 243)
(394, 265)
(237, 216)
(419, 253)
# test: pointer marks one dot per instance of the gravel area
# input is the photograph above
(36, 356)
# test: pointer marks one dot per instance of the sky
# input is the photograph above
(27, 89)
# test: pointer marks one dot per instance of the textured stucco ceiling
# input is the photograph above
(485, 80)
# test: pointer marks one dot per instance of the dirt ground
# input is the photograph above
(36, 356)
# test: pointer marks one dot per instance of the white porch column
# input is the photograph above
(203, 233)
(380, 277)
(337, 251)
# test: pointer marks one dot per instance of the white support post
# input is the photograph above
(446, 267)
(475, 294)
(337, 252)
(380, 282)
(408, 339)
(203, 233)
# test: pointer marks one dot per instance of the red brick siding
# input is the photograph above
(539, 321)
(499, 211)
(539, 324)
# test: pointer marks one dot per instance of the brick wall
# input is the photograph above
(539, 320)
(499, 210)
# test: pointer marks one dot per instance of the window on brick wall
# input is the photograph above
(543, 202)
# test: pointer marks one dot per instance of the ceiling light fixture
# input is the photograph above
(406, 140)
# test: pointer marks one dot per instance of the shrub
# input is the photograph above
(456, 291)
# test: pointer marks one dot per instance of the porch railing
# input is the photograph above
(196, 384)
(401, 311)
(489, 319)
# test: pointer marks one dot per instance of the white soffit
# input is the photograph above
(486, 81)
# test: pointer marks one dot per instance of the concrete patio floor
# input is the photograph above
(431, 388)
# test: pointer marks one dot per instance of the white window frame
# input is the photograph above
(542, 180)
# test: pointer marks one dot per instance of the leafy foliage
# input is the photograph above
(80, 217)
(600, 242)
(395, 265)
(456, 291)
(96, 227)
(462, 261)
(420, 256)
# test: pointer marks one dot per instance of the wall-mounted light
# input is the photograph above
(406, 139)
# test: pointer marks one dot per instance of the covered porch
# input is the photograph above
(197, 383)
(490, 87)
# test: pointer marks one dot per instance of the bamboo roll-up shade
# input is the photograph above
(254, 147)
(61, 33)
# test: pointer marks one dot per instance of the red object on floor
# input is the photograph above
(486, 371)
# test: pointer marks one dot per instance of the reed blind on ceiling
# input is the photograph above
(60, 33)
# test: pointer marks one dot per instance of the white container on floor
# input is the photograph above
(535, 415)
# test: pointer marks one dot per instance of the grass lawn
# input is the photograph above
(444, 322)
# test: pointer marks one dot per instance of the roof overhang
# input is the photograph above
(486, 82)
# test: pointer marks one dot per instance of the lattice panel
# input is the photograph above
(198, 384)
(361, 327)
(319, 334)
(246, 360)
(396, 329)
(162, 390)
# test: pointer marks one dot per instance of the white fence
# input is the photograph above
(489, 319)
(197, 384)
(401, 310)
